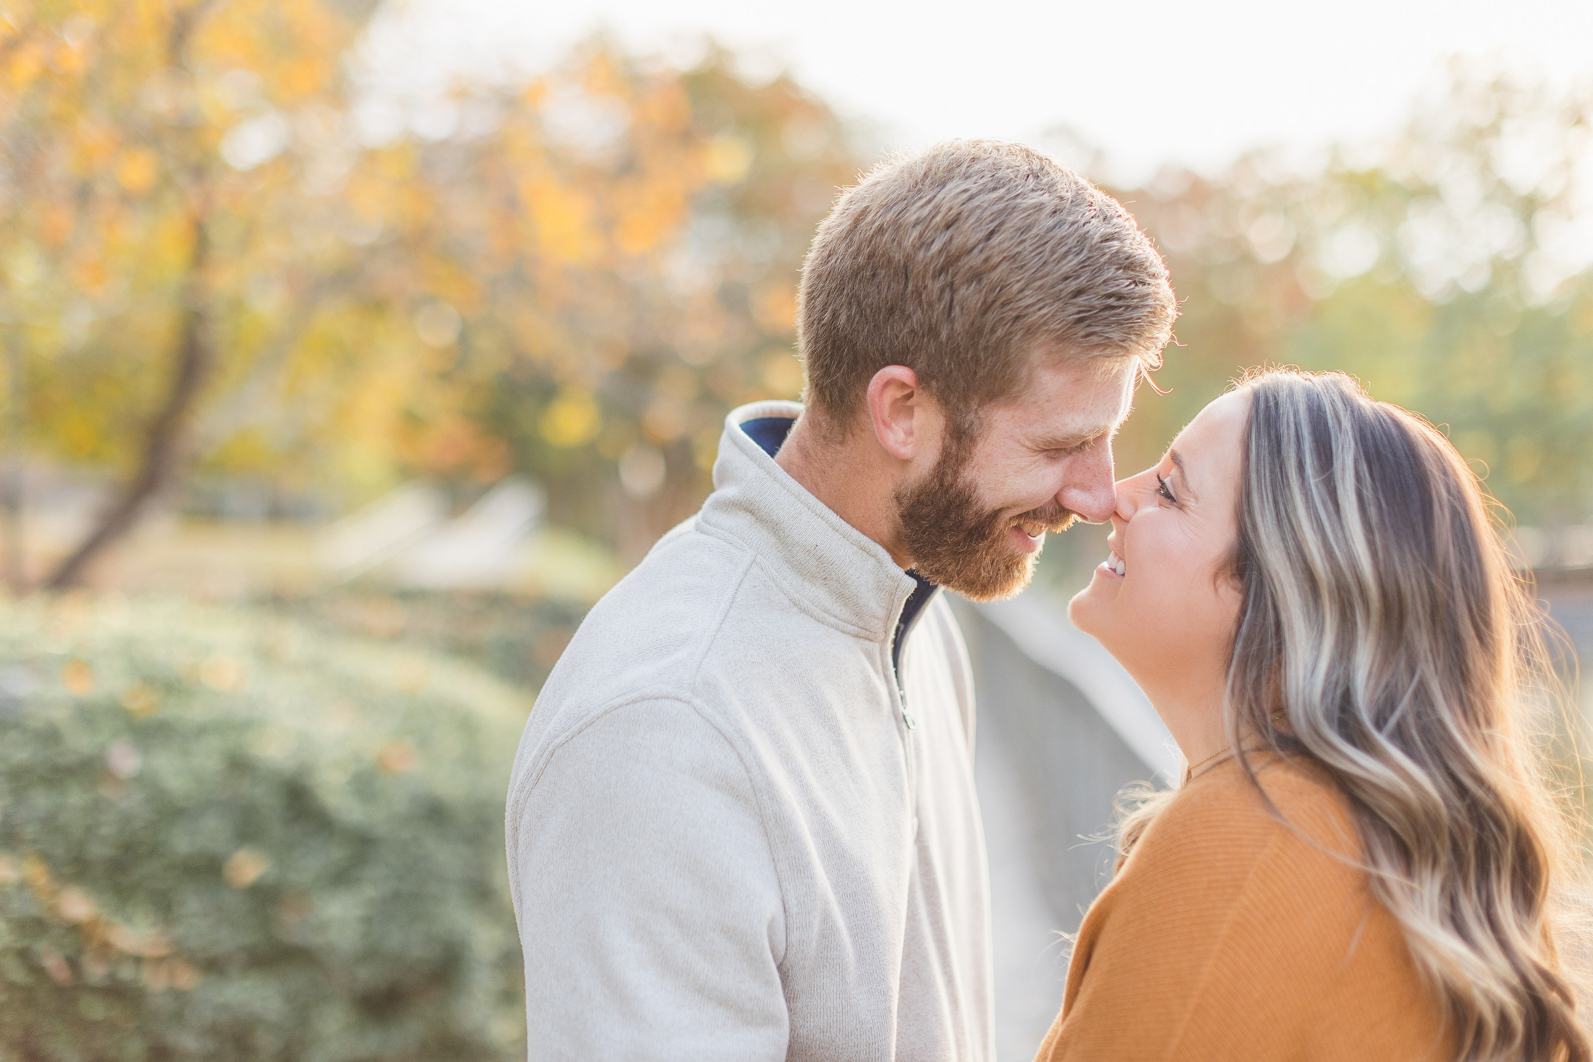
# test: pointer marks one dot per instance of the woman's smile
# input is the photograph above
(1113, 566)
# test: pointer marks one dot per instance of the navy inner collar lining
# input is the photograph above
(922, 594)
(770, 434)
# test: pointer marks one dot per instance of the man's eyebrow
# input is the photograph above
(1078, 438)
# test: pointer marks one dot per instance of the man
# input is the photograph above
(742, 823)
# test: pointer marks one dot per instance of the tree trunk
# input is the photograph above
(163, 445)
(16, 426)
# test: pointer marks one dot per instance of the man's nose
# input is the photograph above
(1090, 491)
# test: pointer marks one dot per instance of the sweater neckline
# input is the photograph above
(833, 567)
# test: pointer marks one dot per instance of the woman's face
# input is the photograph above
(1163, 602)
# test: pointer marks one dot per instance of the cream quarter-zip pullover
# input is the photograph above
(737, 830)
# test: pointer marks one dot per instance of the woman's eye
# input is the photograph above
(1164, 490)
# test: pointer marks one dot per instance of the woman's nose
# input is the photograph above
(1123, 503)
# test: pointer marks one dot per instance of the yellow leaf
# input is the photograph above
(244, 867)
(782, 373)
(75, 905)
(775, 308)
(184, 977)
(146, 944)
(397, 757)
(138, 169)
(69, 60)
(41, 882)
(222, 673)
(413, 675)
(571, 419)
(563, 219)
(56, 966)
(79, 436)
(77, 677)
(56, 225)
(25, 65)
(728, 158)
(92, 148)
(91, 273)
(139, 700)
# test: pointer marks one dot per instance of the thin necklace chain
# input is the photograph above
(1190, 770)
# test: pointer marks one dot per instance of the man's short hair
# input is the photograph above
(963, 261)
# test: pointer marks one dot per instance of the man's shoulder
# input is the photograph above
(698, 620)
(699, 601)
(646, 636)
(631, 741)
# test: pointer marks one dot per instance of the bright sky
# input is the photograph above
(1148, 81)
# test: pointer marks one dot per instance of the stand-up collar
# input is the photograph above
(819, 558)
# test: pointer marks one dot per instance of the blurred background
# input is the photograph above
(349, 351)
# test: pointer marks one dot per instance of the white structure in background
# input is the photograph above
(1062, 728)
(362, 540)
(409, 535)
(1043, 632)
(1555, 547)
(484, 547)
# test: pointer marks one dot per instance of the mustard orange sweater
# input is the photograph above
(1229, 935)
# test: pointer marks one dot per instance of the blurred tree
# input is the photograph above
(618, 268)
(214, 249)
(167, 224)
(1444, 270)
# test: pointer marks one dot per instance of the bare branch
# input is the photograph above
(163, 442)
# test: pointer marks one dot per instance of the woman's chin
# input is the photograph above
(1090, 613)
(1082, 608)
(1085, 605)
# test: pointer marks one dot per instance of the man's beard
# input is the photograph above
(956, 545)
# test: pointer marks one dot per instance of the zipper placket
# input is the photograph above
(904, 719)
(904, 730)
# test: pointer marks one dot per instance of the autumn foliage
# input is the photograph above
(214, 262)
(225, 254)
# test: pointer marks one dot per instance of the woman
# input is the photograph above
(1362, 862)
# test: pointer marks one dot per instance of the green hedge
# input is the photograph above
(225, 837)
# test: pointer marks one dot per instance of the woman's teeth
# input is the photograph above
(1114, 562)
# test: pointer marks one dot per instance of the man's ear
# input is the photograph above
(896, 410)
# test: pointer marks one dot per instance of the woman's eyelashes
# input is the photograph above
(1163, 490)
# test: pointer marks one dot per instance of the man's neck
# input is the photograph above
(852, 479)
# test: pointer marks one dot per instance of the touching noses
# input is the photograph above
(1092, 494)
(1126, 494)
(1123, 504)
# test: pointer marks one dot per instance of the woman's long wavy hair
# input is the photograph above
(1384, 637)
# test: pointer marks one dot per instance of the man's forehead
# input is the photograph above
(1078, 398)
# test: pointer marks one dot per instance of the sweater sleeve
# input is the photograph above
(650, 916)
